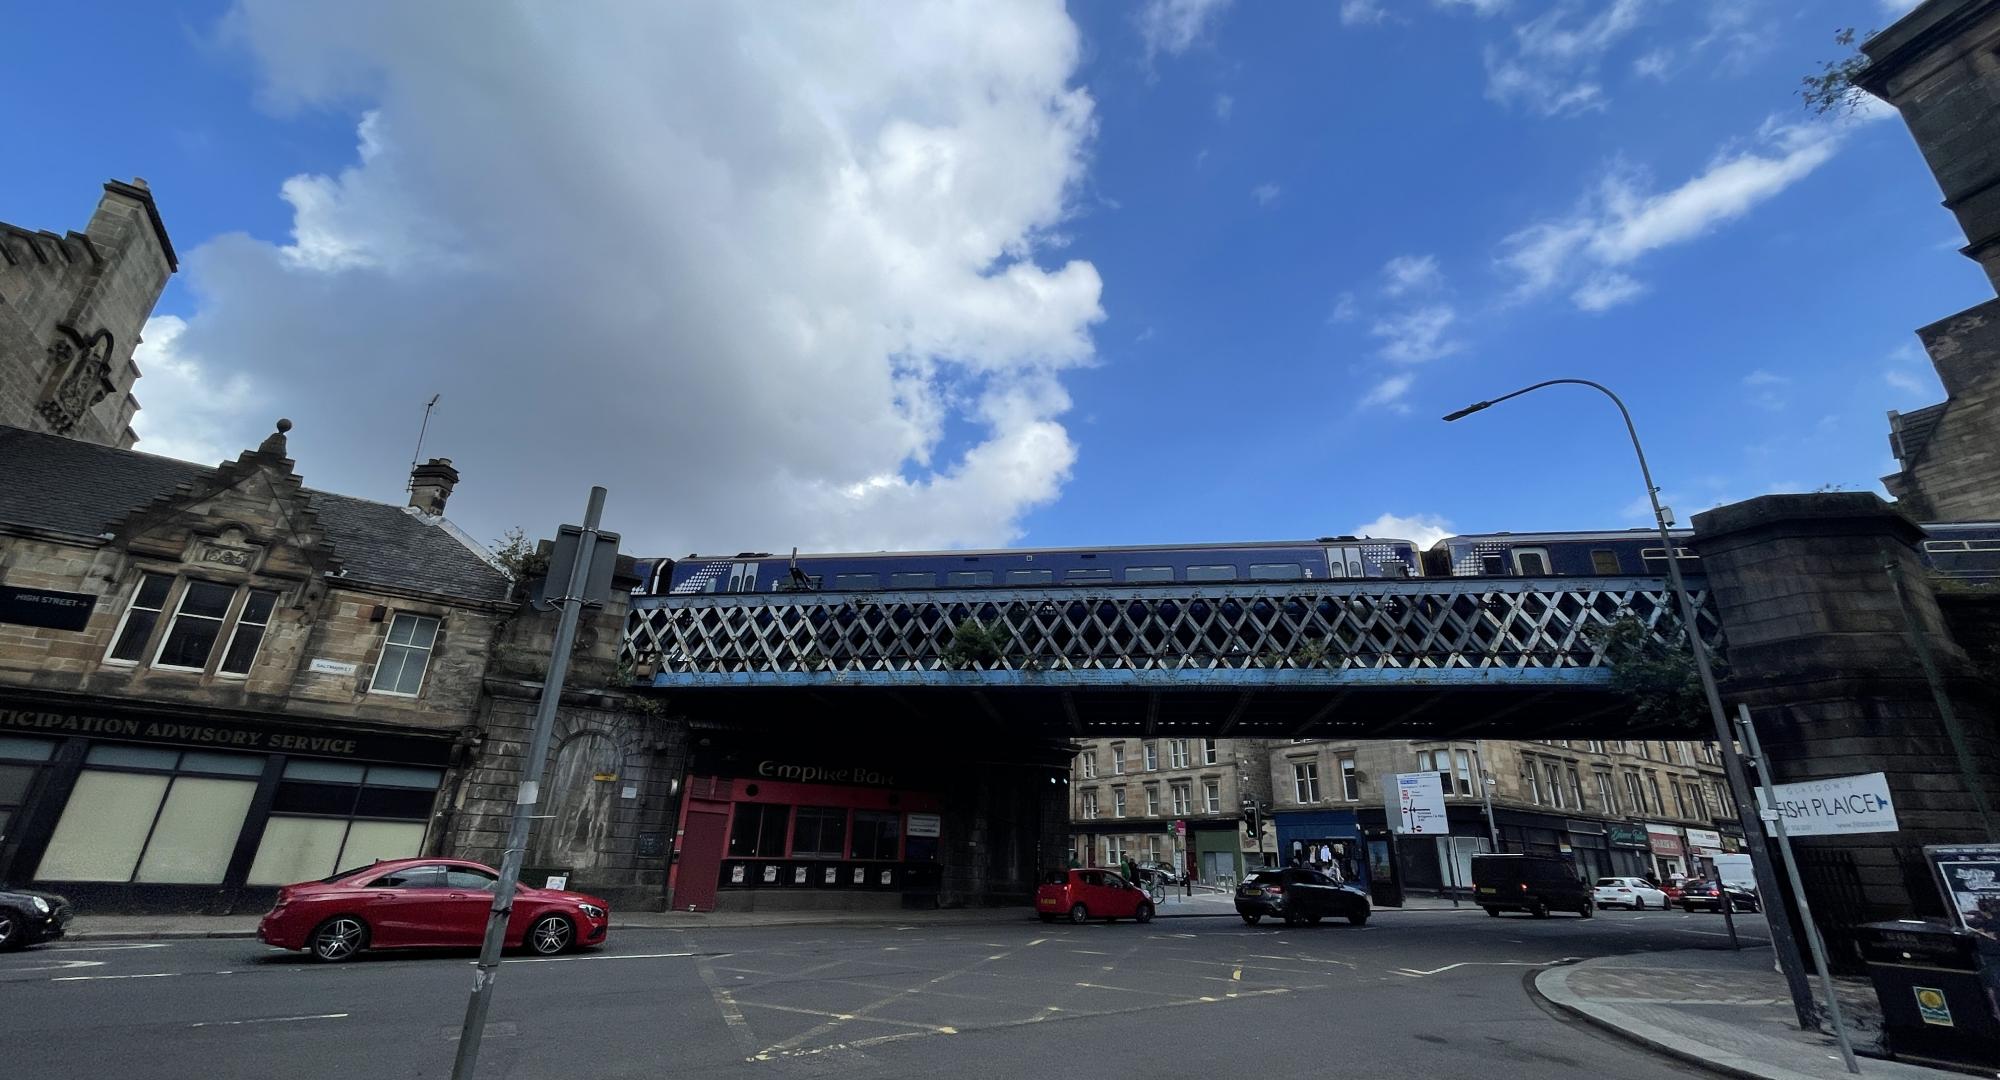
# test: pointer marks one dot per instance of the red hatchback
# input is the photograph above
(418, 903)
(1082, 895)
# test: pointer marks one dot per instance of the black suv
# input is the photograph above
(1536, 884)
(1300, 895)
(29, 917)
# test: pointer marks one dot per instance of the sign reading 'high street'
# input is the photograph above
(1841, 805)
(45, 608)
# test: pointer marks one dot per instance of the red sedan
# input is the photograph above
(1082, 895)
(418, 903)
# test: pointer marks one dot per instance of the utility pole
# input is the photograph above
(572, 601)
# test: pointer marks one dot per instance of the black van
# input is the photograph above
(1536, 884)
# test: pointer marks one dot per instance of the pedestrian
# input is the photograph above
(1131, 870)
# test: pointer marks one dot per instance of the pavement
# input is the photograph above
(970, 995)
(1725, 1010)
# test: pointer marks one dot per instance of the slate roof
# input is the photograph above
(50, 482)
(1911, 432)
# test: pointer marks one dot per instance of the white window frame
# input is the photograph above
(1152, 800)
(1152, 755)
(429, 651)
(1089, 806)
(1607, 790)
(1118, 802)
(1305, 781)
(229, 613)
(236, 629)
(1350, 779)
(1211, 796)
(1463, 772)
(1541, 553)
(1182, 794)
(1177, 753)
(1208, 753)
(1089, 759)
(1118, 759)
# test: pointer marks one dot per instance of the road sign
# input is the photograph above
(45, 608)
(1420, 803)
(1843, 805)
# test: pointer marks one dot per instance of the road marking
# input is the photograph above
(115, 948)
(91, 978)
(1037, 941)
(1236, 976)
(935, 1029)
(1414, 973)
(616, 956)
(270, 1020)
(64, 965)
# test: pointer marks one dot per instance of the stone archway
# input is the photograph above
(581, 806)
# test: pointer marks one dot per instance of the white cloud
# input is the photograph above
(1767, 389)
(1224, 105)
(1910, 372)
(774, 276)
(1421, 529)
(187, 412)
(1657, 64)
(1760, 377)
(1479, 7)
(1552, 66)
(1345, 308)
(1411, 273)
(1265, 193)
(1623, 220)
(1896, 9)
(1389, 392)
(1418, 336)
(1361, 12)
(1606, 290)
(1173, 26)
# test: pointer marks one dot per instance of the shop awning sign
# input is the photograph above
(1704, 841)
(46, 608)
(1843, 805)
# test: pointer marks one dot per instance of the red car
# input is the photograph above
(417, 903)
(1082, 895)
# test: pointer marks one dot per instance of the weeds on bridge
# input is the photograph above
(1652, 665)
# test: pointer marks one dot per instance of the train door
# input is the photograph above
(742, 577)
(1531, 561)
(1345, 562)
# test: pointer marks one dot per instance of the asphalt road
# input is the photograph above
(1417, 994)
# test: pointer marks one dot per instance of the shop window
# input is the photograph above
(160, 825)
(141, 615)
(249, 633)
(759, 831)
(877, 834)
(405, 655)
(331, 815)
(20, 759)
(819, 832)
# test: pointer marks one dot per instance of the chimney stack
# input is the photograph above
(431, 484)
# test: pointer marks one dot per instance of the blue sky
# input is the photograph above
(1119, 274)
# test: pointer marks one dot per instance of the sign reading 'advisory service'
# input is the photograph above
(1842, 805)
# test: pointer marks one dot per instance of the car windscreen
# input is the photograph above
(1618, 882)
(1265, 877)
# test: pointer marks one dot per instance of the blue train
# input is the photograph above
(1966, 550)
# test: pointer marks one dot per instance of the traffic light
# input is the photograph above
(1253, 816)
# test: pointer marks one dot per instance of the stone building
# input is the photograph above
(1126, 796)
(71, 309)
(1936, 66)
(216, 680)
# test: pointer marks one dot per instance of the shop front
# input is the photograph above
(1631, 851)
(1590, 846)
(803, 833)
(1670, 855)
(143, 810)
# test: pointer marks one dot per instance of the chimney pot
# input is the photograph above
(431, 484)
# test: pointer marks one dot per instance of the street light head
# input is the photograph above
(1467, 411)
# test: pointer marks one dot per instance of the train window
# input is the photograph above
(913, 580)
(856, 582)
(1030, 577)
(1080, 576)
(1983, 545)
(1149, 573)
(1211, 573)
(961, 578)
(1492, 564)
(1604, 561)
(1276, 571)
(1945, 545)
(1531, 562)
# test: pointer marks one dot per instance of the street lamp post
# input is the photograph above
(1746, 805)
(1486, 785)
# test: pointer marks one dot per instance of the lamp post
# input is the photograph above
(1746, 805)
(1486, 786)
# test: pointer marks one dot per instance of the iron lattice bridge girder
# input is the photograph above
(1414, 632)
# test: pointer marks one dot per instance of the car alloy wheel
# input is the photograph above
(550, 935)
(1144, 914)
(9, 929)
(339, 939)
(1079, 914)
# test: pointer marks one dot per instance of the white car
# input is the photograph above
(1628, 892)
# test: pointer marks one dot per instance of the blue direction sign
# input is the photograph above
(45, 608)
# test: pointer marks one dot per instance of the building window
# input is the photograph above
(141, 615)
(1183, 802)
(1152, 848)
(1117, 759)
(1699, 798)
(1635, 794)
(1208, 755)
(1089, 759)
(1305, 781)
(1596, 746)
(1350, 780)
(1726, 806)
(1118, 802)
(20, 760)
(1090, 806)
(1555, 784)
(1680, 800)
(819, 832)
(329, 815)
(1531, 782)
(1152, 800)
(1177, 753)
(878, 834)
(405, 655)
(1606, 793)
(1211, 795)
(1463, 773)
(1151, 750)
(1614, 746)
(149, 815)
(1114, 850)
(1653, 786)
(249, 634)
(758, 831)
(196, 626)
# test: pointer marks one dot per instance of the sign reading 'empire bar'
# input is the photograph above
(45, 608)
(229, 735)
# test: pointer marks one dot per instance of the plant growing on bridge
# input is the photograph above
(1655, 668)
(973, 643)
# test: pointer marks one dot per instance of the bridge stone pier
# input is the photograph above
(1820, 649)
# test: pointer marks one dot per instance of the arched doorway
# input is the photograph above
(582, 789)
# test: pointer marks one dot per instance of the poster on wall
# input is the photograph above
(770, 875)
(860, 876)
(798, 875)
(925, 824)
(832, 876)
(736, 874)
(1969, 875)
(885, 877)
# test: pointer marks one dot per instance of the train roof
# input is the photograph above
(976, 552)
(1642, 533)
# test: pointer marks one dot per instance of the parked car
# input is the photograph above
(1083, 895)
(1300, 894)
(1628, 892)
(1536, 884)
(30, 917)
(1707, 896)
(419, 903)
(1164, 871)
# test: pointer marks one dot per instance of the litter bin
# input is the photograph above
(1936, 984)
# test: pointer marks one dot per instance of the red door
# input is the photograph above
(701, 856)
